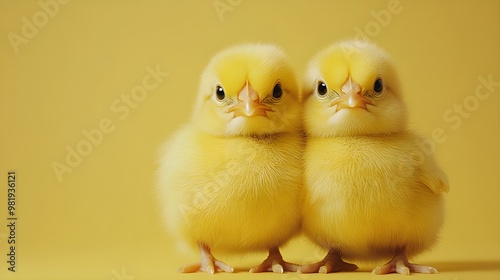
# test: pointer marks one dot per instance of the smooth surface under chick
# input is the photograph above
(371, 193)
(231, 179)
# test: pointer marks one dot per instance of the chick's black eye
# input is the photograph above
(378, 86)
(277, 91)
(322, 89)
(219, 93)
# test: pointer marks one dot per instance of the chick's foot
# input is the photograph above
(331, 263)
(400, 264)
(275, 263)
(208, 264)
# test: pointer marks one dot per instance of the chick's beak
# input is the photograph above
(351, 97)
(248, 103)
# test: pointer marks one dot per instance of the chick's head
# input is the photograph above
(352, 89)
(248, 90)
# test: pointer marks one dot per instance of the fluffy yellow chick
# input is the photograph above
(231, 179)
(371, 193)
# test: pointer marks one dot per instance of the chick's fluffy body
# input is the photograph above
(370, 190)
(234, 194)
(233, 183)
(368, 196)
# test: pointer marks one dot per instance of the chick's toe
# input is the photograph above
(331, 263)
(208, 263)
(400, 264)
(275, 263)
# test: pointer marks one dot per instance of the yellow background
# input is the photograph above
(101, 220)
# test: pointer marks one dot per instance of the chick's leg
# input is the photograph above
(208, 263)
(275, 263)
(331, 263)
(400, 264)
